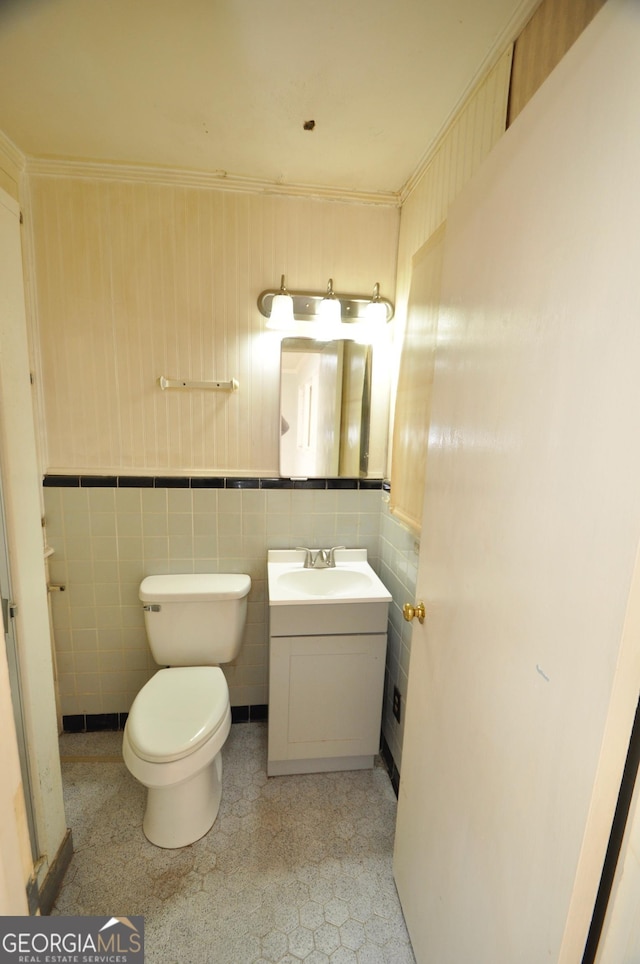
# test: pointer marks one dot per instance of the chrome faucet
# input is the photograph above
(319, 558)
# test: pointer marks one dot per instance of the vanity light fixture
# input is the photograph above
(281, 316)
(356, 317)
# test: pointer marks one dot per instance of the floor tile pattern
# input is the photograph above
(296, 868)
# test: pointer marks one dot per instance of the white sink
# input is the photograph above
(325, 582)
(351, 580)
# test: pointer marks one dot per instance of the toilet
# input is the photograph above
(180, 719)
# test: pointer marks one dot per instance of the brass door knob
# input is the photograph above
(410, 612)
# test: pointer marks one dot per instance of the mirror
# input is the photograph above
(325, 408)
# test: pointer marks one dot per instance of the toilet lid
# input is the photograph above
(177, 711)
(191, 586)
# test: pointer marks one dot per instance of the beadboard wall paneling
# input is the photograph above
(427, 198)
(415, 383)
(134, 281)
(12, 163)
(468, 140)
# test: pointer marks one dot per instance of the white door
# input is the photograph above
(525, 675)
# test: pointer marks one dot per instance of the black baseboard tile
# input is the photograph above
(96, 722)
(389, 762)
(101, 722)
(259, 713)
(74, 724)
(93, 722)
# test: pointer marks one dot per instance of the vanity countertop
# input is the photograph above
(351, 580)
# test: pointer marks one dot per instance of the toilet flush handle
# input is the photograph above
(152, 608)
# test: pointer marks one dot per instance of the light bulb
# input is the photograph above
(329, 316)
(281, 317)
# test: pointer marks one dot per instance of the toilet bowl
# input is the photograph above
(180, 719)
(175, 731)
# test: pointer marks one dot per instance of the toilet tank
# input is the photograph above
(195, 619)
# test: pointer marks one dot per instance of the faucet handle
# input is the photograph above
(330, 555)
(308, 556)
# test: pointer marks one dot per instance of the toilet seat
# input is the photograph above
(176, 712)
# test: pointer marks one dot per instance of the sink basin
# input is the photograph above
(325, 582)
(351, 580)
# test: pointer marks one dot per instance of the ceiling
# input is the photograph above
(227, 85)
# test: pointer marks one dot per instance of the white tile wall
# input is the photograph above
(107, 539)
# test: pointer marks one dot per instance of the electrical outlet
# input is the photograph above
(396, 703)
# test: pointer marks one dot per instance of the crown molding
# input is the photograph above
(214, 180)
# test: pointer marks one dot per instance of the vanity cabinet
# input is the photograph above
(327, 648)
(325, 702)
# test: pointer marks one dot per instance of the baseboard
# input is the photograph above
(390, 763)
(97, 722)
(93, 722)
(250, 714)
(50, 887)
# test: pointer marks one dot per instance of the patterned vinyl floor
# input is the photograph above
(296, 868)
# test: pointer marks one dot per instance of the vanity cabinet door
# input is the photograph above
(325, 699)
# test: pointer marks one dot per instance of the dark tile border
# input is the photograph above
(93, 722)
(259, 713)
(242, 483)
(171, 482)
(99, 481)
(215, 483)
(390, 763)
(100, 722)
(135, 482)
(62, 481)
(200, 482)
(309, 483)
(277, 483)
(250, 714)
